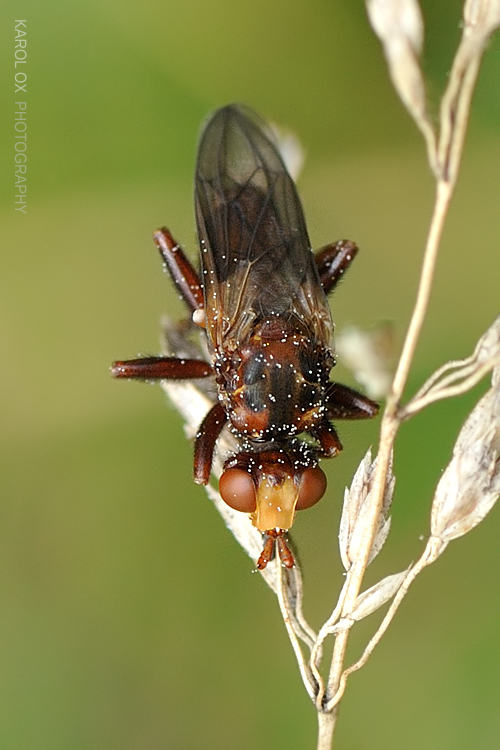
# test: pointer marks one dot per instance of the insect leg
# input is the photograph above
(286, 556)
(180, 268)
(333, 260)
(161, 368)
(274, 538)
(326, 435)
(204, 444)
(267, 553)
(343, 402)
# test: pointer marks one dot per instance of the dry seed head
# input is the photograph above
(376, 596)
(355, 511)
(470, 484)
(400, 28)
(488, 347)
(397, 20)
(482, 16)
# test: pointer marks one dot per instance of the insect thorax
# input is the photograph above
(273, 386)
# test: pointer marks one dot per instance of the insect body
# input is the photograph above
(261, 297)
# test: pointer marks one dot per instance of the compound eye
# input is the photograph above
(312, 487)
(237, 489)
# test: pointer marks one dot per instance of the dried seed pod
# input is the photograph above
(377, 595)
(482, 16)
(400, 28)
(470, 484)
(354, 513)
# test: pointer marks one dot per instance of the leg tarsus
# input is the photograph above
(285, 554)
(326, 435)
(267, 553)
(275, 538)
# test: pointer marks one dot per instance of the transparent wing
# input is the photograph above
(255, 253)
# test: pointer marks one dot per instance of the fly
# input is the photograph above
(260, 295)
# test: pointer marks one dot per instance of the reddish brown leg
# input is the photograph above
(286, 556)
(187, 282)
(275, 536)
(266, 554)
(161, 368)
(204, 444)
(182, 272)
(343, 402)
(326, 435)
(333, 260)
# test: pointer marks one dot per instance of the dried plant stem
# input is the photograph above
(356, 574)
(326, 728)
(399, 25)
(316, 652)
(433, 549)
(437, 394)
(390, 424)
(288, 618)
(455, 109)
(443, 197)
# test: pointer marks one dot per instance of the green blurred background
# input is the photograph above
(129, 618)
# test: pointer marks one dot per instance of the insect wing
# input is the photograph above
(255, 253)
